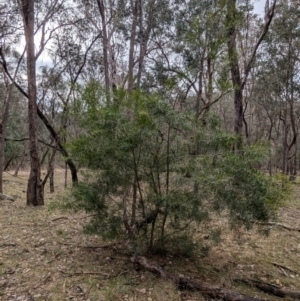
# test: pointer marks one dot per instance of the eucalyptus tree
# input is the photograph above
(4, 102)
(278, 89)
(239, 75)
(199, 43)
(41, 23)
(9, 34)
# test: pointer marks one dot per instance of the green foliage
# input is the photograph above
(143, 179)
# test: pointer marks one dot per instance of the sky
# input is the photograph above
(259, 6)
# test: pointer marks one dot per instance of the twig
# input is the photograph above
(8, 245)
(3, 283)
(6, 197)
(108, 246)
(58, 218)
(283, 272)
(84, 273)
(284, 267)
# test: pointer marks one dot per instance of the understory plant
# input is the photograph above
(151, 173)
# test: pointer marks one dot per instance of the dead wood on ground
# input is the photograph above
(84, 273)
(184, 283)
(284, 267)
(6, 197)
(271, 288)
(286, 227)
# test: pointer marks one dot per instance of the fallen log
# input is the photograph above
(271, 288)
(184, 283)
(286, 227)
(6, 197)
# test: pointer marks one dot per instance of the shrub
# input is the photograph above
(143, 179)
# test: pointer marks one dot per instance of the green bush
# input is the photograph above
(144, 180)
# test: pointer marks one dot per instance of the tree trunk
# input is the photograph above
(134, 9)
(51, 181)
(35, 195)
(60, 146)
(285, 148)
(2, 141)
(105, 47)
(66, 175)
(21, 161)
(234, 69)
(3, 127)
(50, 171)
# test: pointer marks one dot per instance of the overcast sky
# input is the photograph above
(259, 6)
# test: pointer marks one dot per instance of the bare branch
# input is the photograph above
(269, 16)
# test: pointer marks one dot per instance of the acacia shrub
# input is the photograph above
(137, 155)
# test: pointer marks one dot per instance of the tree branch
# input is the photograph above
(269, 17)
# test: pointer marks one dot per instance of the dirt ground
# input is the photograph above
(45, 256)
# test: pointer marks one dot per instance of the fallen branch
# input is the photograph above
(6, 197)
(280, 225)
(8, 245)
(108, 246)
(192, 285)
(271, 288)
(284, 267)
(3, 283)
(59, 218)
(84, 273)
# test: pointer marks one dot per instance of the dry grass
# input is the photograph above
(45, 256)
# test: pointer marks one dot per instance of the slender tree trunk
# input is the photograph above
(21, 161)
(50, 171)
(105, 47)
(3, 127)
(2, 141)
(144, 36)
(134, 8)
(35, 195)
(237, 81)
(66, 175)
(285, 149)
(234, 69)
(51, 181)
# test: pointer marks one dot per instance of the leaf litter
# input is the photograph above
(45, 256)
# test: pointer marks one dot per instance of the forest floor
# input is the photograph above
(45, 256)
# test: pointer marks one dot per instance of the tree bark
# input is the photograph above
(3, 124)
(2, 141)
(134, 9)
(35, 194)
(50, 171)
(21, 160)
(105, 47)
(234, 67)
(237, 81)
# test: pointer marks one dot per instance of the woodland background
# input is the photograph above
(167, 114)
